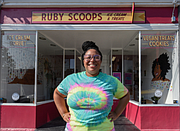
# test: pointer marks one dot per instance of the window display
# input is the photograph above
(159, 49)
(18, 66)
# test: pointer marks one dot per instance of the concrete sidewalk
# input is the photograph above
(121, 124)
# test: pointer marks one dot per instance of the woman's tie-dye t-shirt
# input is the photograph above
(90, 100)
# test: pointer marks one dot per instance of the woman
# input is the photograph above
(90, 95)
(160, 67)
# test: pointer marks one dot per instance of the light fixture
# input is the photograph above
(131, 44)
(42, 38)
(52, 45)
(137, 38)
(113, 58)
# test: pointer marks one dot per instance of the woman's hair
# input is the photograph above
(89, 45)
(164, 65)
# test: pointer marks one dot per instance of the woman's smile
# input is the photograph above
(92, 62)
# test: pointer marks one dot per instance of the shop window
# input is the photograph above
(50, 68)
(117, 64)
(131, 67)
(69, 62)
(125, 67)
(160, 68)
(17, 66)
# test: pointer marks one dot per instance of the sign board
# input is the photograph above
(158, 40)
(88, 17)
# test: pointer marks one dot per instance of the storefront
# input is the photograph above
(40, 46)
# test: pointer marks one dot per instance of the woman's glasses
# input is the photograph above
(89, 57)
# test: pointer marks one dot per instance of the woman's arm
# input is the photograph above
(61, 106)
(120, 107)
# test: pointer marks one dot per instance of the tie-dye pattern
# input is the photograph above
(90, 100)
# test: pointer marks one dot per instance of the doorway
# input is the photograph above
(60, 55)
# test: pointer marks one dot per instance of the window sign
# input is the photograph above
(159, 53)
(18, 65)
(117, 75)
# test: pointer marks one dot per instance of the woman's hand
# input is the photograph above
(61, 105)
(113, 116)
(66, 117)
(119, 108)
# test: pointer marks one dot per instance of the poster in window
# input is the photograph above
(128, 78)
(117, 75)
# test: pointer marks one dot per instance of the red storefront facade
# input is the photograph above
(30, 115)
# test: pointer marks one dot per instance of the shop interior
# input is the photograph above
(119, 49)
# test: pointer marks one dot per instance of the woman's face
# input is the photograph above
(157, 71)
(92, 62)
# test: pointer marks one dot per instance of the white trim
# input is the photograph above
(150, 105)
(177, 35)
(36, 61)
(44, 102)
(158, 105)
(17, 104)
(30, 27)
(27, 104)
(140, 67)
(134, 102)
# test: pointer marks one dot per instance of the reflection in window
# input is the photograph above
(131, 68)
(17, 66)
(50, 68)
(159, 66)
(69, 62)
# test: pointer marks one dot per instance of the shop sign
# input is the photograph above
(88, 17)
(154, 41)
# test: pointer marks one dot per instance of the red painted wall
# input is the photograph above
(148, 118)
(17, 116)
(166, 117)
(45, 113)
(133, 113)
(27, 116)
(23, 15)
(115, 103)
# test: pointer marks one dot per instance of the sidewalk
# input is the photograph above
(121, 124)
